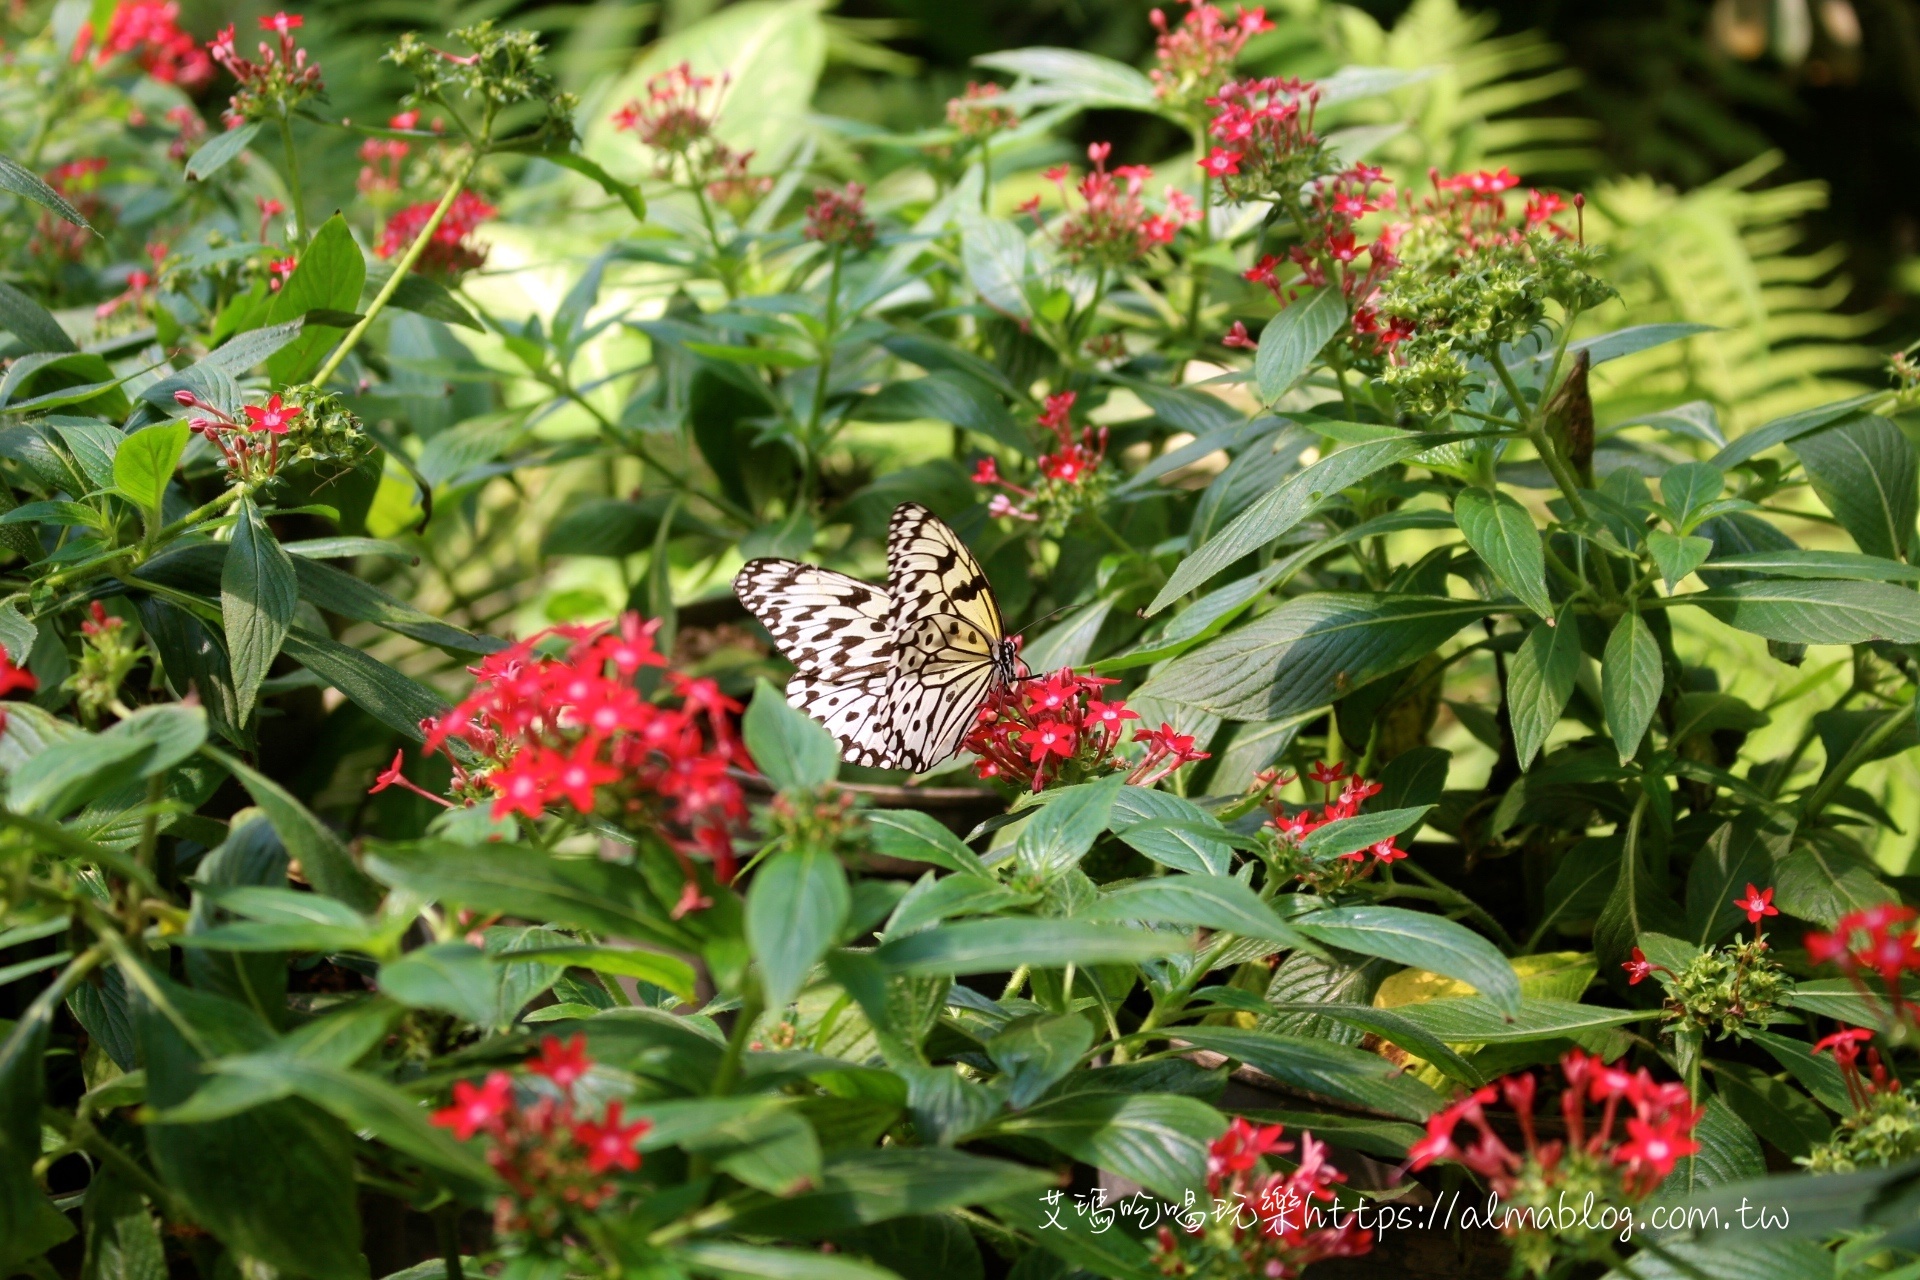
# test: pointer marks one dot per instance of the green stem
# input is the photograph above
(446, 1224)
(293, 181)
(400, 270)
(743, 1019)
(812, 438)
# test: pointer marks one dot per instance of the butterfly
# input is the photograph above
(897, 674)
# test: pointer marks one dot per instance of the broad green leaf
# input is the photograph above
(1320, 1067)
(932, 901)
(1728, 1153)
(1206, 901)
(1820, 881)
(873, 1185)
(1676, 557)
(1731, 1254)
(586, 892)
(329, 277)
(1060, 834)
(395, 700)
(1816, 612)
(67, 774)
(1776, 1111)
(761, 1262)
(1171, 830)
(332, 591)
(1389, 1024)
(257, 597)
(1157, 1140)
(946, 395)
(1688, 488)
(1309, 651)
(222, 149)
(1630, 681)
(1791, 427)
(338, 1039)
(1866, 472)
(994, 253)
(792, 749)
(667, 972)
(995, 946)
(1070, 75)
(919, 837)
(1638, 904)
(1501, 532)
(1539, 682)
(1816, 1072)
(122, 1238)
(28, 1221)
(31, 323)
(795, 906)
(1732, 858)
(1634, 339)
(144, 463)
(1036, 1051)
(454, 977)
(1418, 940)
(1818, 564)
(1476, 1020)
(22, 181)
(1363, 831)
(1293, 501)
(1293, 339)
(324, 860)
(1841, 1000)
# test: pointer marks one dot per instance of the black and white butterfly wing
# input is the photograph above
(947, 634)
(838, 633)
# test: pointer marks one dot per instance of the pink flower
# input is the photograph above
(275, 417)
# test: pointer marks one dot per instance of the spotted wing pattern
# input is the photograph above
(838, 633)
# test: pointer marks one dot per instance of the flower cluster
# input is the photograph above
(1880, 940)
(1611, 1165)
(108, 654)
(1264, 143)
(150, 31)
(271, 87)
(1058, 730)
(1263, 1224)
(977, 113)
(1473, 277)
(1070, 477)
(1727, 990)
(380, 158)
(1199, 53)
(553, 1158)
(838, 219)
(13, 680)
(1110, 228)
(1884, 1127)
(1341, 795)
(502, 68)
(452, 249)
(676, 122)
(557, 720)
(306, 425)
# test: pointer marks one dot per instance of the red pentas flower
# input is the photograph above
(1341, 796)
(249, 444)
(676, 122)
(1068, 473)
(274, 416)
(1057, 729)
(1658, 1123)
(838, 219)
(1845, 1045)
(557, 721)
(1881, 940)
(978, 112)
(1262, 1224)
(1196, 55)
(279, 78)
(13, 679)
(451, 250)
(150, 31)
(553, 1159)
(1106, 224)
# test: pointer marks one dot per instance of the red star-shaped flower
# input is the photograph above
(609, 1144)
(274, 417)
(476, 1107)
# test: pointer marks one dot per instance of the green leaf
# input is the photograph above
(1816, 1073)
(1055, 839)
(1037, 1051)
(324, 860)
(667, 972)
(1728, 1255)
(946, 396)
(1421, 941)
(1363, 831)
(144, 463)
(1171, 830)
(585, 892)
(931, 901)
(32, 323)
(59, 779)
(1476, 1020)
(1639, 903)
(1728, 1153)
(1866, 472)
(1501, 532)
(760, 1262)
(1389, 1024)
(454, 977)
(1732, 858)
(1677, 557)
(1821, 881)
(1309, 651)
(1158, 1140)
(1816, 612)
(1539, 682)
(625, 192)
(995, 946)
(1819, 564)
(919, 837)
(1688, 488)
(1322, 1068)
(217, 152)
(422, 295)
(791, 749)
(1293, 339)
(873, 1185)
(122, 1239)
(329, 277)
(1207, 901)
(1777, 1112)
(257, 597)
(29, 1223)
(795, 908)
(994, 253)
(395, 700)
(1069, 75)
(24, 182)
(1630, 681)
(333, 591)
(1292, 501)
(1791, 427)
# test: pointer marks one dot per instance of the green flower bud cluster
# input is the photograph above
(1728, 991)
(505, 68)
(1884, 1131)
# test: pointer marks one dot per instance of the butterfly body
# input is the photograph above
(896, 674)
